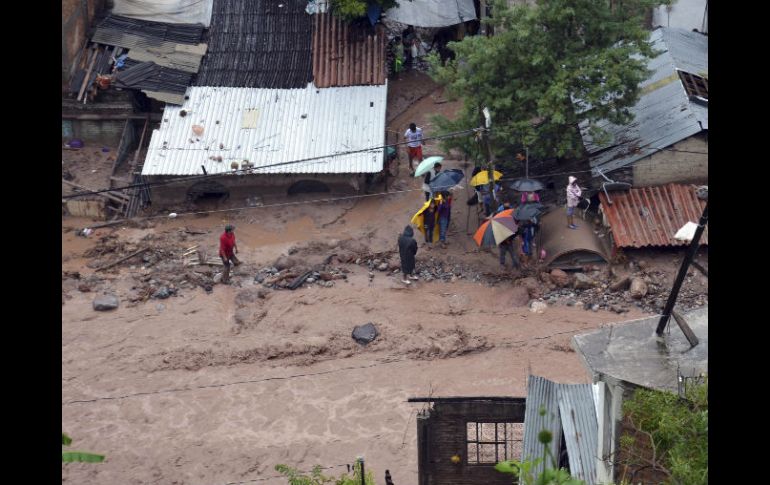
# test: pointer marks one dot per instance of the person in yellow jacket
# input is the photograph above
(426, 220)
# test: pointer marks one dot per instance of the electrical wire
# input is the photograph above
(252, 170)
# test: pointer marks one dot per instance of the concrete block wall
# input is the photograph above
(447, 435)
(102, 132)
(241, 187)
(675, 166)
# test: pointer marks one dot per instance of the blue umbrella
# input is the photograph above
(528, 211)
(446, 180)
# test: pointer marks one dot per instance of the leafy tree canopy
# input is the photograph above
(547, 67)
(349, 10)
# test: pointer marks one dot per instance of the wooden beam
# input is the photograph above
(110, 116)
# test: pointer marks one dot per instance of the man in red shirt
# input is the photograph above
(227, 250)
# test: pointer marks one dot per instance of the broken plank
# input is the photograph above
(137, 253)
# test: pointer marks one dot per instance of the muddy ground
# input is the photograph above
(194, 382)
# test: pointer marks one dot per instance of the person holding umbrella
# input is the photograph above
(573, 198)
(428, 177)
(407, 248)
(429, 220)
(444, 210)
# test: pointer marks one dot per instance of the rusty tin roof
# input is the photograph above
(650, 216)
(347, 55)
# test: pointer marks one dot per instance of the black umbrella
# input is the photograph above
(526, 185)
(528, 211)
(446, 179)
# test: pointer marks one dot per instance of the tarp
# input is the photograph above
(570, 248)
(169, 11)
(432, 13)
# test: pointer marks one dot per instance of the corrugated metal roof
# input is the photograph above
(581, 431)
(258, 44)
(432, 13)
(569, 409)
(540, 393)
(270, 126)
(664, 113)
(347, 54)
(650, 216)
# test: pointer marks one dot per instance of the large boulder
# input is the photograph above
(638, 288)
(621, 284)
(559, 278)
(105, 303)
(519, 296)
(583, 281)
(284, 262)
(534, 288)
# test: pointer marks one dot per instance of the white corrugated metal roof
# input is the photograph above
(271, 126)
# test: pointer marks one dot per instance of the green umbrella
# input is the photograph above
(426, 165)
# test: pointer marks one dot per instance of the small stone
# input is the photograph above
(104, 303)
(217, 278)
(163, 293)
(538, 306)
(160, 307)
(310, 280)
(583, 282)
(383, 267)
(579, 304)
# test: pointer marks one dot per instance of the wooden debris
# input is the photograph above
(102, 268)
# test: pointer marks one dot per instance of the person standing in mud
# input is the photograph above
(407, 248)
(227, 250)
(443, 220)
(429, 218)
(573, 198)
(414, 144)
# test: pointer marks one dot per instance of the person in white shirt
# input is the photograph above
(573, 198)
(414, 144)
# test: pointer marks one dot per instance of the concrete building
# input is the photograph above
(667, 141)
(627, 356)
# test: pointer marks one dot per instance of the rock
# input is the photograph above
(217, 278)
(310, 280)
(371, 275)
(259, 278)
(163, 293)
(621, 284)
(325, 276)
(104, 303)
(533, 287)
(643, 265)
(583, 282)
(538, 306)
(595, 307)
(545, 278)
(579, 305)
(84, 287)
(365, 334)
(519, 296)
(383, 267)
(570, 302)
(394, 264)
(559, 278)
(284, 262)
(638, 288)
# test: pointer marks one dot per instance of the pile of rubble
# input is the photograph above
(617, 290)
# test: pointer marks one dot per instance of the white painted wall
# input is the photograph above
(683, 14)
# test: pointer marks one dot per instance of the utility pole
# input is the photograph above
(363, 475)
(682, 273)
(486, 120)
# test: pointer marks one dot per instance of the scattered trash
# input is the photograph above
(172, 215)
(85, 232)
(105, 149)
(76, 143)
(365, 334)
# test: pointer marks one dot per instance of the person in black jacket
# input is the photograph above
(407, 248)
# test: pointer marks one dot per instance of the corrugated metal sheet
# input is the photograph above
(650, 216)
(664, 113)
(288, 125)
(160, 31)
(258, 44)
(570, 410)
(581, 430)
(541, 393)
(432, 13)
(345, 54)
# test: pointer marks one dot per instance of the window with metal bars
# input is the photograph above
(695, 85)
(490, 443)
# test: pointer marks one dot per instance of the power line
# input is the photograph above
(252, 170)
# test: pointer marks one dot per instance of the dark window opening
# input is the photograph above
(490, 443)
(695, 85)
(207, 191)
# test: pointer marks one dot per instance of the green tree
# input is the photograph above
(675, 429)
(547, 67)
(349, 10)
(296, 477)
(81, 456)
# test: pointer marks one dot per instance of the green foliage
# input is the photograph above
(77, 456)
(678, 429)
(540, 59)
(296, 478)
(317, 478)
(349, 10)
